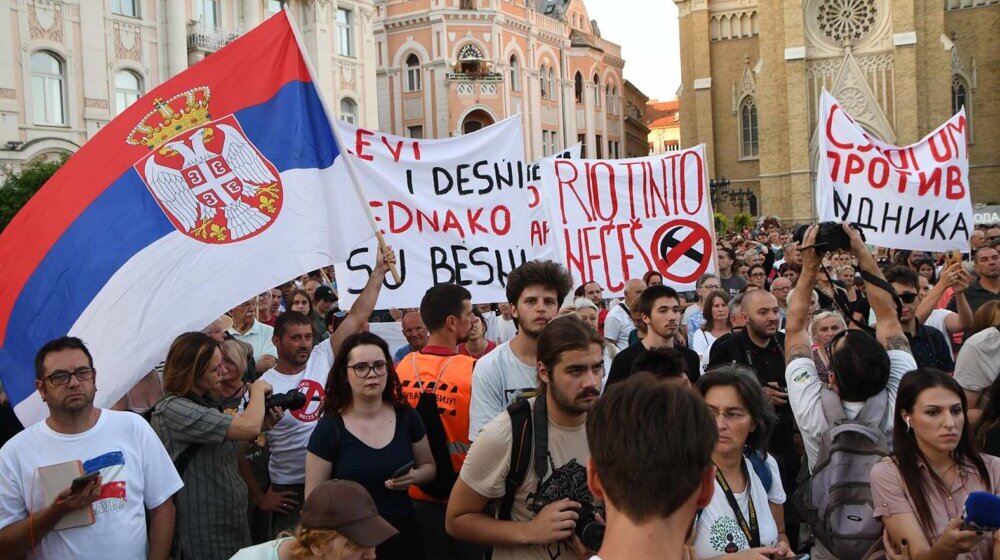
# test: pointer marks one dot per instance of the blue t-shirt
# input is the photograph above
(354, 460)
(401, 353)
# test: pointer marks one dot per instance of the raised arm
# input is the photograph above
(888, 331)
(365, 304)
(797, 343)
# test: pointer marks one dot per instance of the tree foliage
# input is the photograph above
(18, 188)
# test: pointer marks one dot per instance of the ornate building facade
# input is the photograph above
(448, 67)
(753, 71)
(664, 126)
(67, 67)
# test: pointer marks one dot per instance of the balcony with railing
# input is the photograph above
(201, 37)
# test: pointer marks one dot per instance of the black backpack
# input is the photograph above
(525, 443)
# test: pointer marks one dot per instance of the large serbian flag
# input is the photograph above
(207, 191)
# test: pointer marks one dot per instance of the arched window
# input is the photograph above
(349, 110)
(578, 87)
(48, 88)
(749, 145)
(607, 99)
(542, 81)
(515, 74)
(412, 73)
(128, 89)
(552, 85)
(597, 91)
(959, 94)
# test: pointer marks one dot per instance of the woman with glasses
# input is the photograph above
(745, 519)
(369, 434)
(757, 276)
(919, 493)
(202, 441)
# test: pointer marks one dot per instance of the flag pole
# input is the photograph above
(348, 160)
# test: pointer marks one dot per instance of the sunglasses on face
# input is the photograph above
(908, 297)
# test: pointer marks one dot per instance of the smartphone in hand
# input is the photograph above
(81, 481)
(402, 470)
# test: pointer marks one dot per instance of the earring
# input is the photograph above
(908, 427)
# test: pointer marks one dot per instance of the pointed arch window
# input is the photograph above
(597, 91)
(578, 87)
(961, 96)
(749, 139)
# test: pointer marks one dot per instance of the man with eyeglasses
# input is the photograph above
(437, 381)
(779, 289)
(928, 344)
(136, 477)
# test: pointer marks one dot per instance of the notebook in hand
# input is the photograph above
(55, 479)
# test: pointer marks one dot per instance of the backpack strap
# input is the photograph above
(833, 408)
(185, 458)
(521, 438)
(540, 423)
(758, 460)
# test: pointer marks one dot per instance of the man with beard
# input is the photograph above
(535, 290)
(416, 335)
(660, 308)
(537, 516)
(437, 382)
(304, 369)
(136, 476)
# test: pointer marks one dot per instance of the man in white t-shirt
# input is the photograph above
(535, 290)
(619, 324)
(861, 367)
(504, 328)
(650, 516)
(305, 369)
(136, 476)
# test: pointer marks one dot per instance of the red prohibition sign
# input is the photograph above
(314, 394)
(666, 249)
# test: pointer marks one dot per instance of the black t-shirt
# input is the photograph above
(354, 460)
(621, 366)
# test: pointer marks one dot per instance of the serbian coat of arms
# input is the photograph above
(206, 175)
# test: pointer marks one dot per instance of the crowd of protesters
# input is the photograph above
(558, 424)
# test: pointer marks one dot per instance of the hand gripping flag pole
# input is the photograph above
(348, 159)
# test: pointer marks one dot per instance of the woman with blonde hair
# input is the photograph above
(201, 441)
(824, 326)
(339, 522)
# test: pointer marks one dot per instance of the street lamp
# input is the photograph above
(718, 190)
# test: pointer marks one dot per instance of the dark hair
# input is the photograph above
(732, 257)
(664, 363)
(861, 366)
(187, 361)
(291, 297)
(538, 273)
(290, 319)
(481, 318)
(706, 310)
(648, 297)
(578, 292)
(58, 345)
(440, 302)
(794, 267)
(756, 266)
(564, 334)
(338, 387)
(900, 274)
(930, 263)
(650, 274)
(991, 414)
(620, 428)
(907, 452)
(744, 381)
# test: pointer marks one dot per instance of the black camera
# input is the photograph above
(292, 400)
(830, 237)
(588, 529)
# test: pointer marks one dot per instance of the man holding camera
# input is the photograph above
(304, 369)
(538, 483)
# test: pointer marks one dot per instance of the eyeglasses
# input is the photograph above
(711, 287)
(757, 274)
(908, 297)
(363, 369)
(729, 414)
(61, 377)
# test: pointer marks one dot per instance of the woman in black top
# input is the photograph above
(367, 433)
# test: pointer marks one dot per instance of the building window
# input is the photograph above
(597, 91)
(578, 87)
(552, 85)
(349, 110)
(207, 12)
(515, 74)
(415, 131)
(542, 77)
(125, 8)
(545, 143)
(128, 89)
(607, 98)
(412, 73)
(345, 40)
(750, 148)
(599, 142)
(582, 139)
(48, 90)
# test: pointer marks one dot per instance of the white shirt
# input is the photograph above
(618, 326)
(498, 378)
(804, 397)
(501, 330)
(290, 437)
(701, 343)
(136, 475)
(717, 526)
(936, 320)
(260, 337)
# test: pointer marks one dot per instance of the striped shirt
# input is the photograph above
(211, 521)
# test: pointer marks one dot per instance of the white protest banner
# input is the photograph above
(913, 197)
(541, 232)
(454, 210)
(614, 220)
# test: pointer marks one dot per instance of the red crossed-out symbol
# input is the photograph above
(668, 250)
(315, 398)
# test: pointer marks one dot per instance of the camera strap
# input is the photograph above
(840, 298)
(750, 530)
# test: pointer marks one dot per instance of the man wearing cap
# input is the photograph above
(336, 509)
(323, 301)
